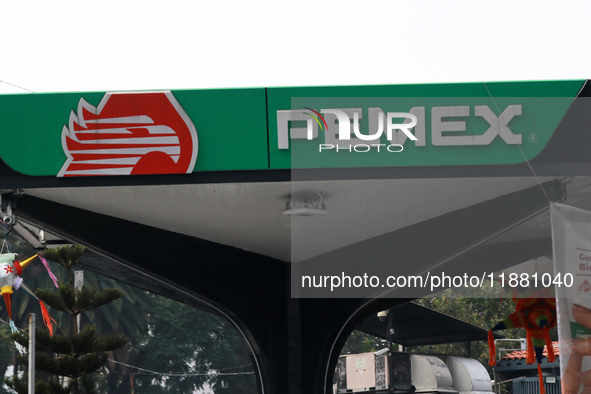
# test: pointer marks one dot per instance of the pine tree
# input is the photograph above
(75, 356)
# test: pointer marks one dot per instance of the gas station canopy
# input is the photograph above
(230, 194)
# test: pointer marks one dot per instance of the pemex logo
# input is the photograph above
(584, 287)
(129, 134)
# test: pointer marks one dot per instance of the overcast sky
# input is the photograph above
(131, 45)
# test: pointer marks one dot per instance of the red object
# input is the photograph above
(8, 303)
(492, 360)
(551, 357)
(530, 357)
(542, 388)
(129, 134)
(19, 269)
(47, 318)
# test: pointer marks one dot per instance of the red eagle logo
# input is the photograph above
(584, 287)
(129, 134)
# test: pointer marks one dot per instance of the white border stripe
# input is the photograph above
(123, 160)
(146, 140)
(170, 150)
(106, 171)
(124, 119)
(159, 129)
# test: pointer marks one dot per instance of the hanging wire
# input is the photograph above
(171, 374)
(7, 323)
(5, 231)
(5, 240)
(519, 146)
(208, 373)
(16, 86)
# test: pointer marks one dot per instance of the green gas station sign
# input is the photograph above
(456, 124)
(183, 131)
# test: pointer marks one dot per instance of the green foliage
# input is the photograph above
(85, 342)
(484, 312)
(6, 347)
(18, 386)
(360, 342)
(58, 300)
(164, 336)
(69, 365)
(75, 302)
(88, 383)
(53, 386)
(79, 355)
(126, 315)
(67, 257)
(74, 355)
(183, 339)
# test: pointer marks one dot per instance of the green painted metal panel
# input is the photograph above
(232, 124)
(231, 128)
